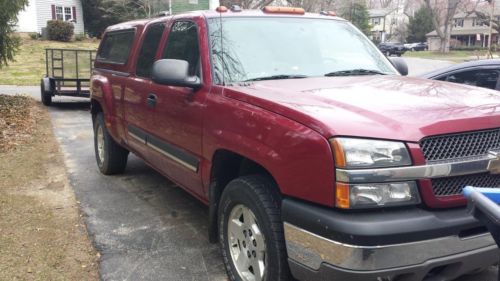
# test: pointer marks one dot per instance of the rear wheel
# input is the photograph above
(251, 231)
(111, 157)
(45, 96)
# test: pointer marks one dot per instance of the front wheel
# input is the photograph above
(251, 231)
(110, 156)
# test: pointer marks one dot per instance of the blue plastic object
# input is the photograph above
(492, 193)
(483, 205)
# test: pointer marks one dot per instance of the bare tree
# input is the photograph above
(247, 4)
(442, 12)
(146, 6)
(386, 3)
(411, 6)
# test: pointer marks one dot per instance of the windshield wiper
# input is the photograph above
(277, 77)
(359, 71)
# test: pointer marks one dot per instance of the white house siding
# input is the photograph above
(213, 4)
(44, 12)
(26, 20)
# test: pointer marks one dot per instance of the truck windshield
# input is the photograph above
(251, 49)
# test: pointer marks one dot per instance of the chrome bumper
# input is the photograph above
(312, 250)
(487, 163)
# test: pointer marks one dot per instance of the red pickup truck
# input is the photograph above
(316, 158)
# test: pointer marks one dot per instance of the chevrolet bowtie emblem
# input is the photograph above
(494, 164)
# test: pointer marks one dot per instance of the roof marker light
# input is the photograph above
(283, 10)
(235, 8)
(328, 13)
(221, 9)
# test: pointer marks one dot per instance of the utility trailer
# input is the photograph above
(67, 73)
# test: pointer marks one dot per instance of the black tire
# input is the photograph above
(398, 54)
(45, 96)
(113, 159)
(259, 194)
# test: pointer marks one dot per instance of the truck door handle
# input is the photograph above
(151, 100)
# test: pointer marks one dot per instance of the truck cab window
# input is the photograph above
(182, 44)
(116, 46)
(149, 47)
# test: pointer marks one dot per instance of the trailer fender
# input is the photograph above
(47, 85)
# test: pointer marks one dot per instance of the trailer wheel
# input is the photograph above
(45, 96)
(111, 157)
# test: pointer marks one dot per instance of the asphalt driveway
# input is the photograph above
(144, 227)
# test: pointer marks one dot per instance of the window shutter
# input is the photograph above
(53, 12)
(74, 13)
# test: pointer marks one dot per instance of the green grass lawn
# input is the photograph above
(456, 56)
(29, 65)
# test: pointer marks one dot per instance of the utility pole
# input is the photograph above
(492, 3)
(350, 10)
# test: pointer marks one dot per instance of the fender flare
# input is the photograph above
(102, 93)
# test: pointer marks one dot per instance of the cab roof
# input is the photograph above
(214, 14)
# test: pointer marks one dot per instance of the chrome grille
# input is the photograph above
(448, 147)
(454, 185)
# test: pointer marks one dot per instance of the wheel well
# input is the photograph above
(95, 108)
(227, 166)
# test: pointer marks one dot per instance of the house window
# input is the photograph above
(64, 13)
(477, 22)
(459, 23)
(375, 21)
(67, 14)
(59, 13)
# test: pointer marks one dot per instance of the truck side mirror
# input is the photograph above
(174, 73)
(400, 65)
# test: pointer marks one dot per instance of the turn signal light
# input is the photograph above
(342, 195)
(338, 153)
(284, 10)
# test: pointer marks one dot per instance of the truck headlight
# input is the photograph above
(370, 195)
(367, 153)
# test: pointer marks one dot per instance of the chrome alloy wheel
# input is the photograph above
(246, 244)
(100, 143)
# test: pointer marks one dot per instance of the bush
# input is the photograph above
(467, 48)
(34, 35)
(59, 30)
(79, 37)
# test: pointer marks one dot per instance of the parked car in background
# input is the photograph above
(480, 73)
(390, 49)
(420, 46)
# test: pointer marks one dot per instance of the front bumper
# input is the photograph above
(445, 268)
(321, 247)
